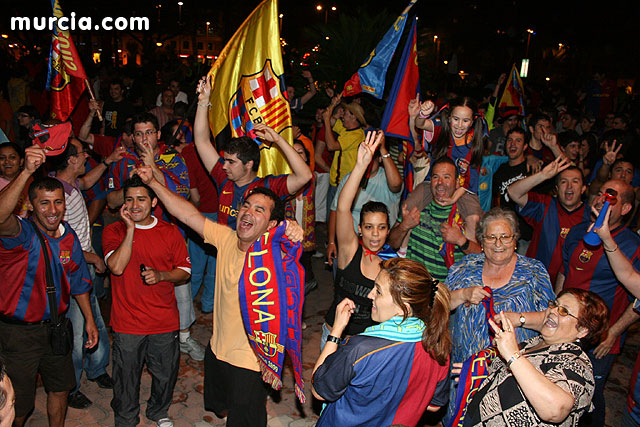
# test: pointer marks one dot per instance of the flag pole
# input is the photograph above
(93, 97)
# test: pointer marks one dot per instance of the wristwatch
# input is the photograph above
(384, 156)
(334, 339)
(522, 320)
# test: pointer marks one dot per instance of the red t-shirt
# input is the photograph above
(201, 180)
(137, 308)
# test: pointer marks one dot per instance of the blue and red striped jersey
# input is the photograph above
(230, 195)
(551, 223)
(172, 166)
(371, 381)
(23, 273)
(588, 268)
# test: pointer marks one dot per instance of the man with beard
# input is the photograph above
(551, 217)
(233, 385)
(587, 267)
(433, 222)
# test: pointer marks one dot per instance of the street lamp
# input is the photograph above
(530, 31)
(206, 40)
(180, 11)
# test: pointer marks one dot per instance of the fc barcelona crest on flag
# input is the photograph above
(259, 99)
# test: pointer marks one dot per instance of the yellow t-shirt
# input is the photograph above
(345, 159)
(229, 341)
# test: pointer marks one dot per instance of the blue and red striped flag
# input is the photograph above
(406, 84)
(371, 75)
(66, 75)
(395, 119)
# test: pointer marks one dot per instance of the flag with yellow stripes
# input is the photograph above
(248, 86)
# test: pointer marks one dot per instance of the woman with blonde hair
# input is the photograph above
(395, 370)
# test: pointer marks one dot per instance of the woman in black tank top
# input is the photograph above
(358, 264)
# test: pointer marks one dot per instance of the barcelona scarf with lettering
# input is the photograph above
(447, 249)
(475, 369)
(271, 299)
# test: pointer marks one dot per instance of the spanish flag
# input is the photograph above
(66, 75)
(248, 86)
(513, 95)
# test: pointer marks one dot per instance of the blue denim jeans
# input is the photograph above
(203, 267)
(94, 361)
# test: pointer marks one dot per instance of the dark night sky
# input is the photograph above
(605, 32)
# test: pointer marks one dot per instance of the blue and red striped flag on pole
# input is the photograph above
(371, 75)
(395, 119)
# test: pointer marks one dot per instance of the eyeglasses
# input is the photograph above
(562, 311)
(505, 240)
(148, 132)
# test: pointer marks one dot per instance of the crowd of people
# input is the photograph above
(480, 258)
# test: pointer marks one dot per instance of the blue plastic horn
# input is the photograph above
(610, 199)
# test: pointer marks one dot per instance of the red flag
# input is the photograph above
(66, 73)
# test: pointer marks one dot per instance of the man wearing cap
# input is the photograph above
(350, 132)
(508, 119)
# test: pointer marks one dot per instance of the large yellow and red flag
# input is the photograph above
(513, 95)
(248, 85)
(66, 74)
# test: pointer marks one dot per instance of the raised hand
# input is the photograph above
(611, 152)
(34, 157)
(426, 108)
(204, 89)
(144, 172)
(116, 154)
(555, 167)
(265, 132)
(126, 217)
(549, 139)
(414, 106)
(368, 147)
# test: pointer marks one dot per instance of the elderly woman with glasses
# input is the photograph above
(546, 380)
(496, 280)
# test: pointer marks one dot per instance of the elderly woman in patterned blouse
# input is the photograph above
(546, 380)
(505, 281)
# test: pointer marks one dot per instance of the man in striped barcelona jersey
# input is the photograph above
(440, 231)
(25, 314)
(69, 169)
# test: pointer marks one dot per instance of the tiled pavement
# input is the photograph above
(283, 410)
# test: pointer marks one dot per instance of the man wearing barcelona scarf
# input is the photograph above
(232, 385)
